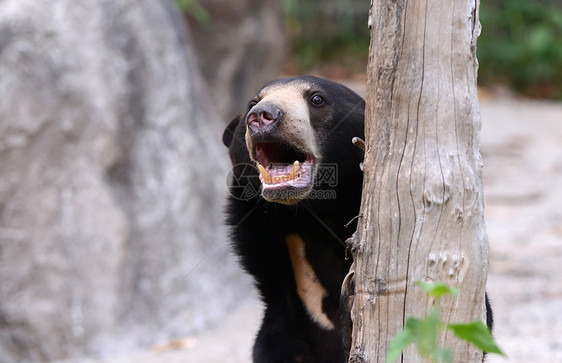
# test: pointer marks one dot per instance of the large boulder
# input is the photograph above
(112, 180)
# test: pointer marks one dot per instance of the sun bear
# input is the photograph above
(296, 182)
(295, 185)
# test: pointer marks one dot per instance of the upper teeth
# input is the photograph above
(270, 179)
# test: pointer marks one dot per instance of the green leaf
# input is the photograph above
(478, 334)
(413, 324)
(437, 289)
(399, 343)
(442, 355)
(424, 334)
(427, 333)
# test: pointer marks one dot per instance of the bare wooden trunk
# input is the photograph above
(422, 208)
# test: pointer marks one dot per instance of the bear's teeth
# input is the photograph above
(295, 170)
(264, 174)
(276, 179)
(280, 179)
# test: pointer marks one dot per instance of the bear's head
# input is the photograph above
(295, 129)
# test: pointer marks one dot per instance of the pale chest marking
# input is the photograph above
(309, 288)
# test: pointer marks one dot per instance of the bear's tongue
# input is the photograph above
(279, 173)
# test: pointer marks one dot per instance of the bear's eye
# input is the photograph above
(251, 104)
(317, 100)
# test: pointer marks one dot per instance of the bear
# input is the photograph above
(295, 193)
(296, 181)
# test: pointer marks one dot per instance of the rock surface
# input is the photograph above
(242, 47)
(112, 181)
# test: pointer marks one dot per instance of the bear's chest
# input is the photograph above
(317, 279)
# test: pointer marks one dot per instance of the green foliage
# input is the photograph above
(193, 8)
(425, 333)
(520, 45)
(478, 334)
(327, 32)
(437, 289)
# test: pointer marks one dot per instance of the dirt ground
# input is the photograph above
(522, 149)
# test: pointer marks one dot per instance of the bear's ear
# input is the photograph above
(228, 134)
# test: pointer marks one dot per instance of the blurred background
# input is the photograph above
(113, 175)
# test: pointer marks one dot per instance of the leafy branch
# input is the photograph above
(424, 333)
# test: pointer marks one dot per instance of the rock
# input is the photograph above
(112, 181)
(242, 47)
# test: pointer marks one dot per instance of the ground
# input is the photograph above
(522, 149)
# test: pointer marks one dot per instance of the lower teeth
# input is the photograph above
(269, 179)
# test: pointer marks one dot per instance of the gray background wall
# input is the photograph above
(112, 180)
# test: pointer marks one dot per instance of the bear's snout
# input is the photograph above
(263, 117)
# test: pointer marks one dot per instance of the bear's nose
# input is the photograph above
(262, 116)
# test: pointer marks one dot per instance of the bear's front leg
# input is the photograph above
(280, 339)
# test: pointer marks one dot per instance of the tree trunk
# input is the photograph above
(422, 207)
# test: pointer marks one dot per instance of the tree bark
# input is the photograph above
(422, 208)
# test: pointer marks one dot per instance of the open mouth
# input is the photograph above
(284, 168)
